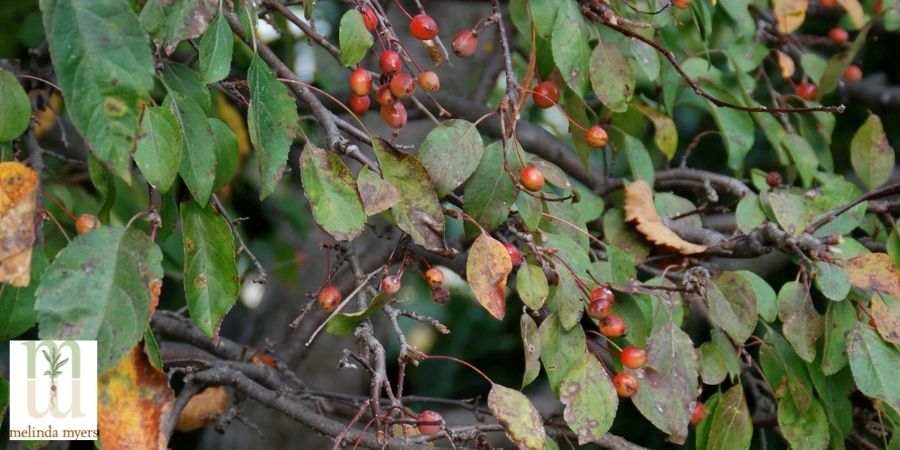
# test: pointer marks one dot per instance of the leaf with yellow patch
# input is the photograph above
(18, 188)
(854, 11)
(521, 421)
(874, 271)
(639, 208)
(789, 14)
(134, 398)
(486, 270)
(886, 313)
(211, 402)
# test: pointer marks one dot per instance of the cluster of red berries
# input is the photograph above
(852, 74)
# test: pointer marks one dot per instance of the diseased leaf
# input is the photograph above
(353, 37)
(451, 152)
(17, 313)
(216, 48)
(874, 271)
(531, 342)
(559, 349)
(159, 147)
(377, 194)
(870, 153)
(611, 77)
(789, 14)
(198, 152)
(18, 197)
(531, 285)
(15, 107)
(875, 365)
(807, 430)
(732, 305)
(331, 191)
(663, 405)
(671, 352)
(765, 295)
(731, 427)
(490, 192)
(839, 320)
(789, 210)
(521, 421)
(886, 313)
(569, 45)
(785, 371)
(832, 281)
(272, 121)
(801, 324)
(170, 22)
(487, 267)
(103, 64)
(590, 399)
(210, 273)
(112, 270)
(639, 208)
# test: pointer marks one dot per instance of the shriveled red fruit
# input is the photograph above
(383, 95)
(603, 293)
(434, 277)
(423, 27)
(838, 35)
(613, 326)
(370, 20)
(681, 3)
(403, 85)
(465, 43)
(773, 179)
(806, 90)
(390, 284)
(633, 357)
(852, 73)
(545, 94)
(698, 413)
(431, 428)
(360, 81)
(86, 223)
(440, 295)
(390, 61)
(626, 384)
(329, 298)
(515, 255)
(394, 114)
(596, 136)
(598, 309)
(429, 81)
(531, 178)
(360, 103)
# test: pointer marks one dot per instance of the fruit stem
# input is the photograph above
(459, 361)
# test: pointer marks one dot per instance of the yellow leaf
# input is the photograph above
(487, 267)
(854, 10)
(785, 64)
(18, 188)
(789, 14)
(639, 208)
(235, 121)
(212, 401)
(886, 313)
(134, 399)
(874, 271)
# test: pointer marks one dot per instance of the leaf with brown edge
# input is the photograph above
(18, 188)
(202, 407)
(873, 271)
(886, 313)
(639, 208)
(521, 421)
(134, 398)
(487, 267)
(789, 14)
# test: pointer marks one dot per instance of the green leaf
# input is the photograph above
(671, 353)
(785, 371)
(111, 269)
(647, 58)
(159, 147)
(870, 153)
(355, 40)
(227, 153)
(451, 153)
(331, 191)
(805, 159)
(186, 81)
(568, 300)
(663, 405)
(547, 10)
(665, 134)
(730, 426)
(170, 22)
(531, 343)
(875, 365)
(701, 435)
(103, 64)
(490, 192)
(418, 211)
(17, 313)
(635, 153)
(531, 284)
(590, 399)
(210, 273)
(569, 44)
(808, 430)
(521, 421)
(813, 65)
(839, 320)
(718, 358)
(531, 209)
(343, 324)
(198, 151)
(15, 107)
(272, 122)
(216, 48)
(377, 194)
(611, 77)
(736, 127)
(765, 295)
(624, 236)
(832, 281)
(789, 210)
(560, 349)
(732, 305)
(801, 324)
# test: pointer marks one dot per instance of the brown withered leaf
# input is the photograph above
(18, 188)
(874, 271)
(134, 398)
(786, 64)
(789, 14)
(886, 313)
(487, 267)
(639, 208)
(210, 402)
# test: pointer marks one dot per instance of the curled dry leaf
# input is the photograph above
(874, 271)
(486, 269)
(639, 208)
(18, 187)
(786, 64)
(210, 402)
